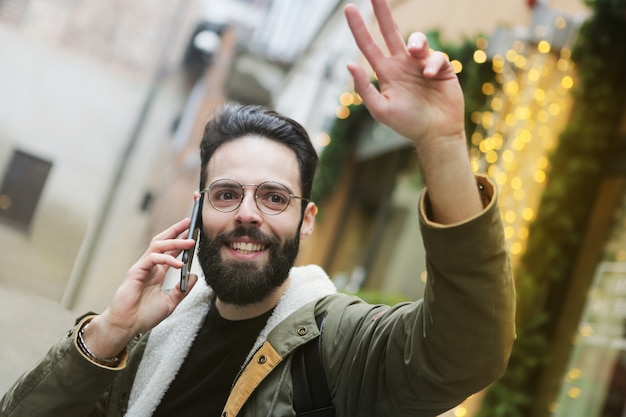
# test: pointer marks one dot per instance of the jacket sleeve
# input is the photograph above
(425, 357)
(64, 383)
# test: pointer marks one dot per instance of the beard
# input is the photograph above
(244, 283)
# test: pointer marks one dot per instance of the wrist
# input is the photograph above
(99, 340)
(111, 361)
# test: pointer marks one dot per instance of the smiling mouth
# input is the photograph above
(247, 247)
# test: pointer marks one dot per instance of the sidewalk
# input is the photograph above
(29, 325)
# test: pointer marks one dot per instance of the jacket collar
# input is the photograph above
(170, 341)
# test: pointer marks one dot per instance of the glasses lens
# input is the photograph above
(272, 197)
(225, 195)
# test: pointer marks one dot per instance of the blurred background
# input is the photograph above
(102, 106)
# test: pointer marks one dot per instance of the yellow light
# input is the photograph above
(509, 232)
(510, 120)
(460, 411)
(516, 183)
(498, 140)
(573, 373)
(566, 53)
(523, 233)
(477, 137)
(542, 162)
(567, 82)
(482, 43)
(480, 56)
(357, 99)
(475, 164)
(423, 276)
(516, 248)
(497, 64)
(342, 112)
(586, 331)
(518, 145)
(540, 176)
(511, 54)
(488, 89)
(510, 216)
(496, 104)
(457, 66)
(528, 214)
(475, 117)
(519, 195)
(487, 119)
(323, 139)
(491, 157)
(493, 171)
(539, 95)
(542, 116)
(533, 74)
(520, 61)
(560, 22)
(573, 392)
(543, 47)
(525, 135)
(554, 109)
(346, 99)
(522, 113)
(501, 178)
(508, 156)
(562, 64)
(511, 88)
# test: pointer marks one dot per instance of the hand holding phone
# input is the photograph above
(194, 231)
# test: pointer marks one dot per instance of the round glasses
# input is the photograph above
(270, 197)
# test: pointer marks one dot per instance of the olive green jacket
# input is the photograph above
(413, 359)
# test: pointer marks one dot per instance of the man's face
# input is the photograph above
(246, 254)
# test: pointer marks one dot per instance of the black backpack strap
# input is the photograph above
(311, 396)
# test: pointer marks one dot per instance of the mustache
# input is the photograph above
(251, 232)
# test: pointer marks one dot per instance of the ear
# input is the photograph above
(308, 220)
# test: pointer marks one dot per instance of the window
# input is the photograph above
(21, 188)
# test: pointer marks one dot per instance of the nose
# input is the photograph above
(248, 212)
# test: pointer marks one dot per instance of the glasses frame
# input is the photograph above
(256, 201)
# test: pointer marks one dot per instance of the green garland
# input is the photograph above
(556, 235)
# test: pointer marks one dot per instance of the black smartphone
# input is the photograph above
(194, 231)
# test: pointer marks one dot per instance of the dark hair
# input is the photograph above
(236, 121)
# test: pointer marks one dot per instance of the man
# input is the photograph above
(227, 348)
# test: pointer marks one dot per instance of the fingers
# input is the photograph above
(173, 231)
(362, 37)
(368, 92)
(388, 27)
(417, 45)
(166, 246)
(177, 295)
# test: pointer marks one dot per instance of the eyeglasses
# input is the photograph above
(270, 197)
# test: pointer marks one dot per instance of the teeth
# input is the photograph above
(246, 247)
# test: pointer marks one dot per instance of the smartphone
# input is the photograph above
(194, 231)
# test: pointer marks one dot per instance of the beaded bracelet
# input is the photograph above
(110, 362)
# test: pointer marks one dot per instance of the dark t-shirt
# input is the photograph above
(206, 377)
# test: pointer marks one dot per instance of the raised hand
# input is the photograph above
(139, 304)
(420, 96)
(421, 99)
